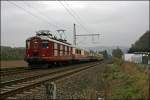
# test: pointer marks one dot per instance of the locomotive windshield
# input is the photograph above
(44, 44)
(28, 44)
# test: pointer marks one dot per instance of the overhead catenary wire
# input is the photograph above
(73, 16)
(30, 13)
(55, 33)
(41, 13)
(73, 13)
(44, 18)
(79, 18)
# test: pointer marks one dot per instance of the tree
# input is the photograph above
(117, 53)
(142, 44)
(105, 54)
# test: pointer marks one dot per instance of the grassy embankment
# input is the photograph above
(128, 80)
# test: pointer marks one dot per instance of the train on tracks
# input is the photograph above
(46, 49)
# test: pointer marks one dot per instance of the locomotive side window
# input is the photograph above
(74, 51)
(28, 44)
(55, 52)
(44, 44)
(65, 50)
(69, 51)
(61, 47)
(61, 53)
(55, 46)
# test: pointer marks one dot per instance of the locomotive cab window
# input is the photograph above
(44, 44)
(28, 44)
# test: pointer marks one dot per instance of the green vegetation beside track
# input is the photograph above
(128, 80)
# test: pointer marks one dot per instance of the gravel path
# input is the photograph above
(88, 84)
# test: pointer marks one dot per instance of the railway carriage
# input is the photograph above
(45, 49)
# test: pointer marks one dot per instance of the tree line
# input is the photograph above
(9, 53)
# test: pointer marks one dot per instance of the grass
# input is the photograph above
(142, 67)
(128, 82)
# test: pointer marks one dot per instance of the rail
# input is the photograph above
(32, 82)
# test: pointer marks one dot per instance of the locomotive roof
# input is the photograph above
(51, 39)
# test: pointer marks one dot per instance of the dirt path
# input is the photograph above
(13, 64)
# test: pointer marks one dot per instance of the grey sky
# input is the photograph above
(120, 23)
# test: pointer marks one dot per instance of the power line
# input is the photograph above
(42, 14)
(31, 13)
(73, 16)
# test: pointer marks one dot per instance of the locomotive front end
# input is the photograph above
(33, 50)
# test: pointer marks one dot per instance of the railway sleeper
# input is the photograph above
(20, 95)
(11, 98)
(34, 90)
(9, 87)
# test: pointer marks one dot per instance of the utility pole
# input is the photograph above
(75, 36)
(149, 75)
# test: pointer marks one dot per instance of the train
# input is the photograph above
(48, 50)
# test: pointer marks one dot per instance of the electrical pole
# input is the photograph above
(149, 75)
(74, 35)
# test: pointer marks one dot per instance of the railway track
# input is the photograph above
(11, 88)
(29, 73)
(27, 70)
(25, 76)
(9, 73)
(21, 71)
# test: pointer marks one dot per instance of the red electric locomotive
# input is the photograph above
(45, 49)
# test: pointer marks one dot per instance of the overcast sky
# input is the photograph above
(120, 23)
